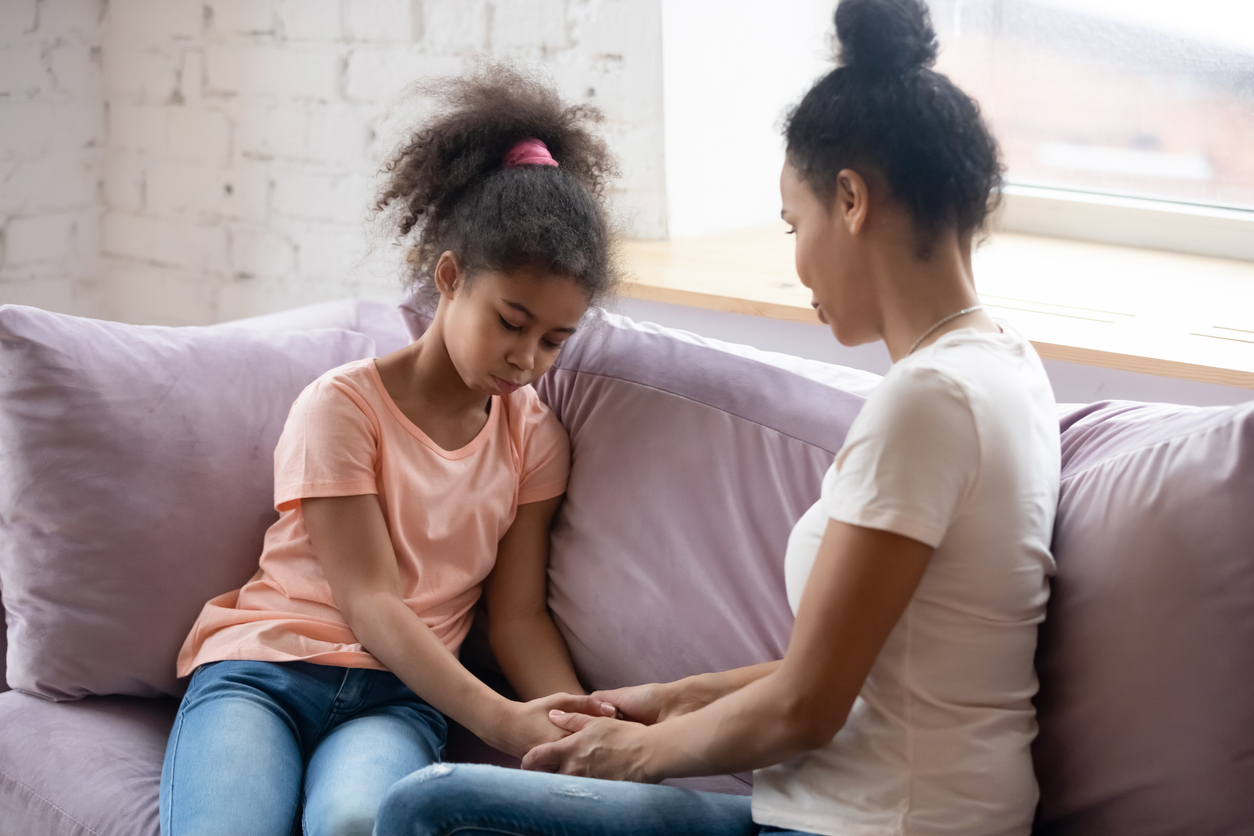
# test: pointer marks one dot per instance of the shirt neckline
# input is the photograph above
(413, 429)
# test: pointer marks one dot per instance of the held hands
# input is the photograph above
(524, 725)
(596, 747)
(654, 702)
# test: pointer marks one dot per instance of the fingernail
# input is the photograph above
(607, 707)
(556, 713)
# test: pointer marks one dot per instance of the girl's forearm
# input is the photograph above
(533, 656)
(398, 638)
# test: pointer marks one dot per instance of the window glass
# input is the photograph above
(1147, 98)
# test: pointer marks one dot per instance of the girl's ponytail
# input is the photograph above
(449, 189)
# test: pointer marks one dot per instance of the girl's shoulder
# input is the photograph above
(527, 415)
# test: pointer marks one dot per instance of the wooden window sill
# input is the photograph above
(1138, 310)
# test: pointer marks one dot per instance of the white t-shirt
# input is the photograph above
(957, 448)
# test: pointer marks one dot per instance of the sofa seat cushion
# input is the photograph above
(1146, 657)
(136, 482)
(88, 768)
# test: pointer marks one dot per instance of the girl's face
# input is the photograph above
(504, 330)
(827, 254)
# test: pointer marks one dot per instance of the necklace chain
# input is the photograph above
(926, 333)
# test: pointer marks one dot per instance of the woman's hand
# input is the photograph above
(594, 747)
(524, 725)
(654, 702)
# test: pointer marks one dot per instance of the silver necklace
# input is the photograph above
(939, 324)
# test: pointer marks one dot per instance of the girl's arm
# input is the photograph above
(861, 583)
(524, 639)
(350, 538)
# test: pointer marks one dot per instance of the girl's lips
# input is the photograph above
(505, 386)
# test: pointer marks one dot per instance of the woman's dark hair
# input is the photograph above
(885, 110)
(446, 188)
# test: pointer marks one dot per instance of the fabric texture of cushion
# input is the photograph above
(1146, 658)
(693, 519)
(136, 481)
(88, 768)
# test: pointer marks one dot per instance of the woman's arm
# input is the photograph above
(350, 537)
(861, 583)
(524, 639)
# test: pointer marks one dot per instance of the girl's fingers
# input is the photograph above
(569, 722)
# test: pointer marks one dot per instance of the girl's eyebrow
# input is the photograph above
(518, 306)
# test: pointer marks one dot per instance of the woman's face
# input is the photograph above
(827, 254)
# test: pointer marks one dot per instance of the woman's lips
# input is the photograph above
(505, 386)
(818, 310)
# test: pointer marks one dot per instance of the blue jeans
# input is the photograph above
(491, 801)
(254, 743)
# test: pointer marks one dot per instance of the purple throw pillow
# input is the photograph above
(136, 482)
(1146, 658)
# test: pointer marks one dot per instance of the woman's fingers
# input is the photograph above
(543, 758)
(579, 704)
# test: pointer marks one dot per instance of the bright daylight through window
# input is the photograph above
(1141, 98)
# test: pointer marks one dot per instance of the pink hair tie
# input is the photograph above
(530, 151)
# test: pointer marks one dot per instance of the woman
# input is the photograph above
(903, 702)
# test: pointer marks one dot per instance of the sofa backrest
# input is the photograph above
(691, 461)
(1146, 657)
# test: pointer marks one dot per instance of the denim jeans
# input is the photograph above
(481, 800)
(255, 743)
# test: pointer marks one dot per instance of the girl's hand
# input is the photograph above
(653, 703)
(596, 747)
(525, 725)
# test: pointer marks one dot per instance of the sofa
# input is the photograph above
(135, 484)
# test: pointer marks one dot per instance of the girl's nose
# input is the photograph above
(523, 357)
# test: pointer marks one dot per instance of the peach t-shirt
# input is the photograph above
(446, 510)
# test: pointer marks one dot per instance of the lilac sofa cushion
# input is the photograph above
(382, 323)
(89, 768)
(692, 460)
(1146, 659)
(136, 482)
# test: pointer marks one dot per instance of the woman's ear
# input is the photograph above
(447, 274)
(853, 200)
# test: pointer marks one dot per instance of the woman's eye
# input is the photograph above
(791, 231)
(509, 326)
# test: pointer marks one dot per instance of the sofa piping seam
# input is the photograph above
(1136, 450)
(744, 418)
(49, 802)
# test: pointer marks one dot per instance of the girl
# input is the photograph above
(405, 486)
(903, 702)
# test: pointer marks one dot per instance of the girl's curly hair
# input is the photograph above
(445, 189)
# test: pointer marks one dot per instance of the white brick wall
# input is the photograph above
(236, 168)
(52, 133)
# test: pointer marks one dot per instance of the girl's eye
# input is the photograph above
(508, 326)
(552, 344)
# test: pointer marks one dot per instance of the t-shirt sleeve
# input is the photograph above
(910, 460)
(329, 446)
(546, 456)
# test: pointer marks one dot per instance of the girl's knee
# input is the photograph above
(424, 802)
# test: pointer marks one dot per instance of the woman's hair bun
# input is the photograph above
(883, 37)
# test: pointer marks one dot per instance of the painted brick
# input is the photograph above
(58, 181)
(455, 26)
(77, 126)
(242, 17)
(140, 76)
(147, 294)
(272, 129)
(168, 242)
(266, 70)
(23, 74)
(310, 20)
(191, 78)
(340, 134)
(40, 239)
(252, 297)
(325, 250)
(49, 293)
(26, 128)
(17, 18)
(125, 182)
(379, 20)
(138, 128)
(303, 194)
(537, 25)
(199, 135)
(81, 17)
(257, 251)
(76, 70)
(153, 22)
(379, 75)
(215, 194)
